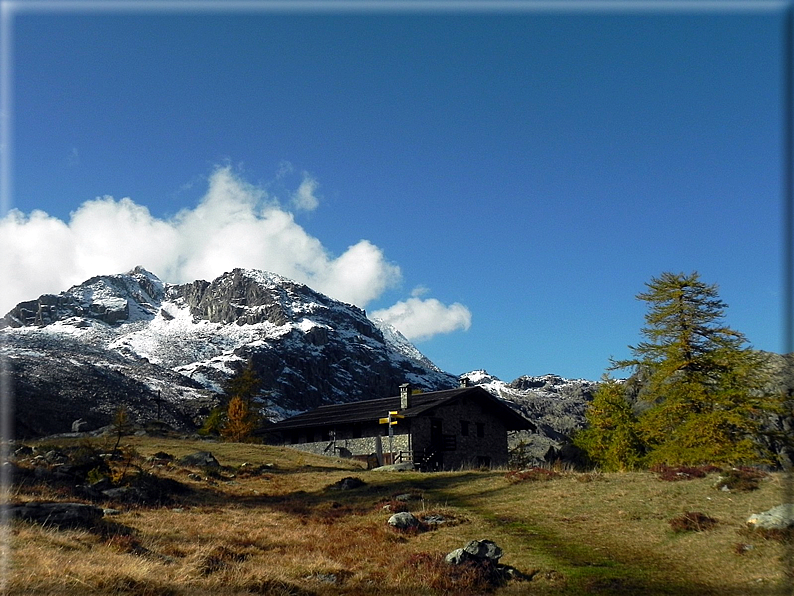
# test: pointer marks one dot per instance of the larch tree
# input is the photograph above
(121, 424)
(704, 384)
(242, 414)
(611, 439)
(239, 423)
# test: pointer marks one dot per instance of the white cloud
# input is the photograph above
(362, 270)
(419, 319)
(305, 198)
(36, 252)
(110, 236)
(236, 224)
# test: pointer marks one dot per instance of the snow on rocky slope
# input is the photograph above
(132, 339)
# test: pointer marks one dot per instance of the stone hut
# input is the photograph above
(439, 430)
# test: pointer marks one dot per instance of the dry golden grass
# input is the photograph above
(285, 532)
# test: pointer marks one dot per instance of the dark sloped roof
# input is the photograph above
(373, 409)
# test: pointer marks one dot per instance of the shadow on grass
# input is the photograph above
(589, 572)
(580, 568)
(329, 501)
(573, 567)
(585, 570)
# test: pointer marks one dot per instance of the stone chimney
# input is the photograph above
(464, 382)
(405, 395)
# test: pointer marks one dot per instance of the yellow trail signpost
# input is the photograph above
(391, 420)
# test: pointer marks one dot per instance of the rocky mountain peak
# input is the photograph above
(548, 382)
(134, 339)
(110, 299)
(250, 297)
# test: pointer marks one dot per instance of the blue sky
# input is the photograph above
(508, 181)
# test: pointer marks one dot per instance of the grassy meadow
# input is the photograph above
(282, 530)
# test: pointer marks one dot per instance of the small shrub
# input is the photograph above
(741, 479)
(433, 571)
(692, 521)
(674, 473)
(531, 474)
(129, 462)
(95, 475)
(121, 424)
(394, 506)
(213, 423)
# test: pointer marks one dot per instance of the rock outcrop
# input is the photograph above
(62, 515)
(477, 551)
(484, 555)
(200, 459)
(404, 520)
(777, 518)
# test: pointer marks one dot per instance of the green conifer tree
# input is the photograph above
(610, 439)
(703, 383)
(245, 385)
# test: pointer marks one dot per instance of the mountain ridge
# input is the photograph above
(133, 339)
(181, 342)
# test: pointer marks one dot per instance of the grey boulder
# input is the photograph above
(403, 521)
(777, 518)
(478, 551)
(200, 459)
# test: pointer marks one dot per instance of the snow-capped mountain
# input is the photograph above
(401, 344)
(133, 339)
(165, 351)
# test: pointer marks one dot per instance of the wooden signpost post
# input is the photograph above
(391, 420)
